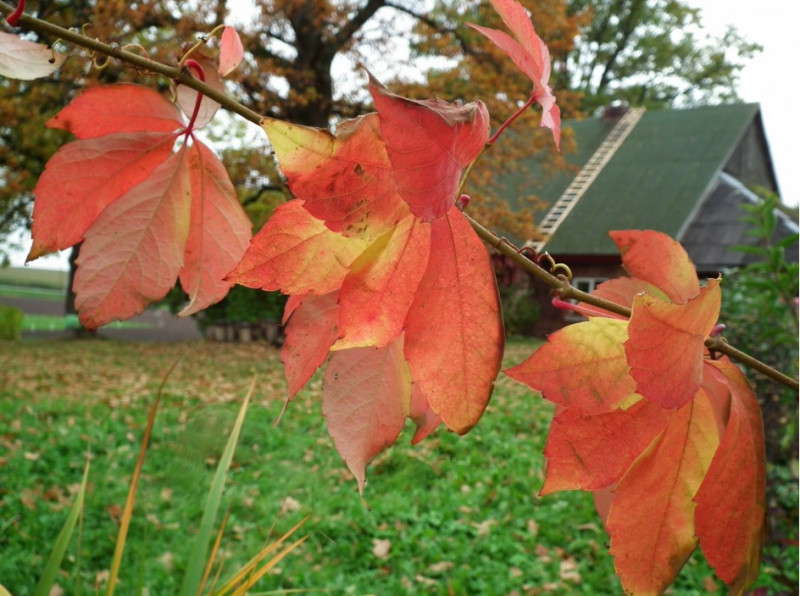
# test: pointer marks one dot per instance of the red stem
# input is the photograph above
(513, 117)
(13, 18)
(198, 70)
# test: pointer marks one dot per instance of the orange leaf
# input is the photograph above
(345, 180)
(310, 332)
(731, 502)
(219, 232)
(296, 254)
(122, 268)
(366, 395)
(659, 260)
(666, 344)
(454, 334)
(378, 291)
(577, 451)
(581, 366)
(430, 143)
(651, 520)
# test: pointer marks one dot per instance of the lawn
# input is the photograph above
(453, 515)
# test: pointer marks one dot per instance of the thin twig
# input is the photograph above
(176, 73)
(560, 285)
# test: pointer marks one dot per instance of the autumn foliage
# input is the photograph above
(392, 292)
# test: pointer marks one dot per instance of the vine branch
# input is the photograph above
(559, 284)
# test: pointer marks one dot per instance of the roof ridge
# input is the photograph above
(562, 207)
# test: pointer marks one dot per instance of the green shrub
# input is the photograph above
(10, 322)
(520, 310)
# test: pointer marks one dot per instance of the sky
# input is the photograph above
(769, 79)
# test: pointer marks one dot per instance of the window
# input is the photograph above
(584, 284)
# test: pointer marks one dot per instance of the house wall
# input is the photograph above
(749, 162)
(551, 318)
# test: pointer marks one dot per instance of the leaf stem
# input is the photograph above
(176, 73)
(511, 119)
(13, 18)
(195, 66)
(560, 284)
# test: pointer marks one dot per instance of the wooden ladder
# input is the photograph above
(577, 188)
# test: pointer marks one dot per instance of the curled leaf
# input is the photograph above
(26, 60)
(430, 144)
(231, 52)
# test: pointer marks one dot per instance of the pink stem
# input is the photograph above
(513, 117)
(198, 70)
(13, 18)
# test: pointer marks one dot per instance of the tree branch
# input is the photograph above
(559, 284)
(562, 287)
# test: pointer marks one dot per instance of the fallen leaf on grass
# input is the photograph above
(381, 548)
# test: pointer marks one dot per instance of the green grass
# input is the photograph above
(12, 291)
(33, 277)
(50, 323)
(461, 514)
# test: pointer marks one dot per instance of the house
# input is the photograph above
(686, 173)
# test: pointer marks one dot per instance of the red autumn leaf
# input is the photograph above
(430, 144)
(296, 253)
(122, 268)
(729, 519)
(657, 259)
(84, 177)
(231, 51)
(26, 60)
(531, 56)
(310, 332)
(145, 215)
(367, 392)
(380, 287)
(344, 180)
(219, 231)
(111, 109)
(665, 345)
(454, 334)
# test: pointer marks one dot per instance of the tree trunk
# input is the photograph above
(69, 302)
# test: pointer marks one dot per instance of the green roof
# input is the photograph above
(655, 180)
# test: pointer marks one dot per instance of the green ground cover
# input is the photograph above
(33, 277)
(453, 515)
(13, 291)
(50, 323)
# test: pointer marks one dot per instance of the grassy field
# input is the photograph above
(453, 515)
(33, 278)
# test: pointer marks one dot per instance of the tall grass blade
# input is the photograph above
(253, 579)
(253, 563)
(127, 512)
(194, 571)
(48, 578)
(214, 551)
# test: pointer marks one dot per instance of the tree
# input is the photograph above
(391, 289)
(650, 53)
